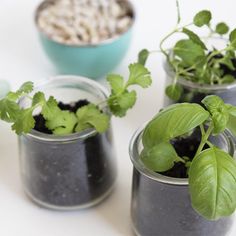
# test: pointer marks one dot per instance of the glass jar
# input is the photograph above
(160, 205)
(194, 92)
(71, 171)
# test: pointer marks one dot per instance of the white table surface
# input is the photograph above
(21, 59)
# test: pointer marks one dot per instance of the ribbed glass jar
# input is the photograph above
(71, 171)
(161, 205)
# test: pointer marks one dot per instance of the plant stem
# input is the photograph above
(204, 139)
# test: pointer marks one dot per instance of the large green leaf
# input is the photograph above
(160, 157)
(188, 51)
(212, 182)
(173, 121)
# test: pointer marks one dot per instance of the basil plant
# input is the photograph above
(212, 171)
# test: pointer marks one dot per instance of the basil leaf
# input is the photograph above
(212, 183)
(173, 121)
(232, 38)
(160, 157)
(174, 91)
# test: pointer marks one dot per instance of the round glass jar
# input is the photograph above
(160, 205)
(71, 171)
(194, 92)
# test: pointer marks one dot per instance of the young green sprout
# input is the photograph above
(62, 122)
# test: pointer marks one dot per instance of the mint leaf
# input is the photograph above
(142, 56)
(188, 51)
(90, 116)
(139, 75)
(222, 28)
(120, 104)
(160, 157)
(24, 122)
(202, 18)
(194, 37)
(62, 123)
(116, 82)
(174, 91)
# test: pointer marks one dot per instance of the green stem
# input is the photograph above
(204, 139)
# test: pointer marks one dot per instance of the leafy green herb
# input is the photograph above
(142, 57)
(62, 122)
(194, 60)
(212, 172)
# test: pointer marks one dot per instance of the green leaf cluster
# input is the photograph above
(212, 172)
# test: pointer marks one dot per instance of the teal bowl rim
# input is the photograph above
(44, 3)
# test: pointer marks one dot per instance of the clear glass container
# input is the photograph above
(194, 92)
(160, 205)
(71, 171)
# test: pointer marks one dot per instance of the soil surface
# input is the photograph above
(184, 147)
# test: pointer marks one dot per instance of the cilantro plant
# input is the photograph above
(192, 59)
(62, 122)
(212, 171)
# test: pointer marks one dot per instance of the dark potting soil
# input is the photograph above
(185, 147)
(68, 174)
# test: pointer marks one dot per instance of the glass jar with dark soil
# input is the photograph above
(194, 92)
(160, 203)
(72, 171)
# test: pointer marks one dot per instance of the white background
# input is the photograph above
(22, 59)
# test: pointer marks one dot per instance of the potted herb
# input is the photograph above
(184, 178)
(196, 65)
(66, 153)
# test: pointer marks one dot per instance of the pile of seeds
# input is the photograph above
(77, 22)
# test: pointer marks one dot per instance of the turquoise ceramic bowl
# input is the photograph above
(93, 61)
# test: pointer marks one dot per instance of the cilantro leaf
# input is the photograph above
(9, 110)
(120, 104)
(139, 75)
(24, 121)
(50, 109)
(202, 18)
(116, 82)
(38, 98)
(90, 116)
(62, 123)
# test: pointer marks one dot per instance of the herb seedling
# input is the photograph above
(212, 171)
(62, 122)
(192, 59)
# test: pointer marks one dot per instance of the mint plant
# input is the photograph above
(192, 59)
(62, 122)
(212, 171)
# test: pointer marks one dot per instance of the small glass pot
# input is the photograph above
(194, 92)
(72, 171)
(161, 205)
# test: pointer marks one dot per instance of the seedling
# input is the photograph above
(212, 171)
(192, 59)
(62, 122)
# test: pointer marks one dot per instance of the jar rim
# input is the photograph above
(74, 136)
(139, 166)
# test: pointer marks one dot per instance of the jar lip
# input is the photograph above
(133, 152)
(86, 45)
(74, 136)
(190, 84)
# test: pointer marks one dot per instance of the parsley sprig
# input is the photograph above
(62, 122)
